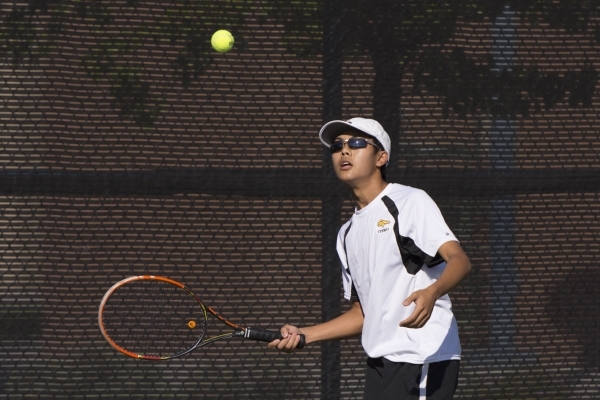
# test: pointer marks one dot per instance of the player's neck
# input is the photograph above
(366, 193)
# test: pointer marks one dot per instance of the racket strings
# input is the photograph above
(153, 318)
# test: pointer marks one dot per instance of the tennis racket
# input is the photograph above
(156, 318)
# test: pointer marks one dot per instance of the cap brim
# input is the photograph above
(332, 129)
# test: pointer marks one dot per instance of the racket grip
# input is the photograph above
(263, 335)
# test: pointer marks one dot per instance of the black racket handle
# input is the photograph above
(263, 335)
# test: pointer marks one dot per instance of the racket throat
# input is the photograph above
(239, 334)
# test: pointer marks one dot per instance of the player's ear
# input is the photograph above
(383, 158)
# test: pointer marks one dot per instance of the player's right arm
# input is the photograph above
(347, 325)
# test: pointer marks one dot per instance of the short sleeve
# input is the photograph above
(426, 225)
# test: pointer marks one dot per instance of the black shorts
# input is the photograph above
(388, 380)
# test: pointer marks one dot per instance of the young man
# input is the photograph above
(399, 261)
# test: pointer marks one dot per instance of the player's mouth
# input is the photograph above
(345, 165)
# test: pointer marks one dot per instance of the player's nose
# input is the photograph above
(346, 148)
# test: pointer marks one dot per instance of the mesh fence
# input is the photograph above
(129, 146)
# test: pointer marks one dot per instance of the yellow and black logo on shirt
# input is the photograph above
(381, 224)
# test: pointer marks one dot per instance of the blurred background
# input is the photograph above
(129, 146)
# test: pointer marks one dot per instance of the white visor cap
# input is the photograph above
(332, 129)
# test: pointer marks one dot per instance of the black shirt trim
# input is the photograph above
(413, 257)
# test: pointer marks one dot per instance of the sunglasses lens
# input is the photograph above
(357, 143)
(353, 143)
(336, 146)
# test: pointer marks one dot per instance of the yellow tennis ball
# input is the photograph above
(222, 41)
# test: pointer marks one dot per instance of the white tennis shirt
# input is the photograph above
(388, 250)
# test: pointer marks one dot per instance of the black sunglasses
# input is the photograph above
(353, 143)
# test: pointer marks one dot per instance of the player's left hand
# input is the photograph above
(424, 301)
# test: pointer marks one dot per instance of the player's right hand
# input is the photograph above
(291, 338)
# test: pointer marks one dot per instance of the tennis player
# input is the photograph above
(399, 260)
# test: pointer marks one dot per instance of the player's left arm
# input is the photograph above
(457, 267)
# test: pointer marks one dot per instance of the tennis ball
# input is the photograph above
(222, 41)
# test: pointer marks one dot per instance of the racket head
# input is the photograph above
(152, 318)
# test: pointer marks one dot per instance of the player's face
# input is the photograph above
(355, 165)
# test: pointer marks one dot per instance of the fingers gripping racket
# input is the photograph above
(157, 318)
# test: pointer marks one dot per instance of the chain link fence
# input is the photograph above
(129, 146)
